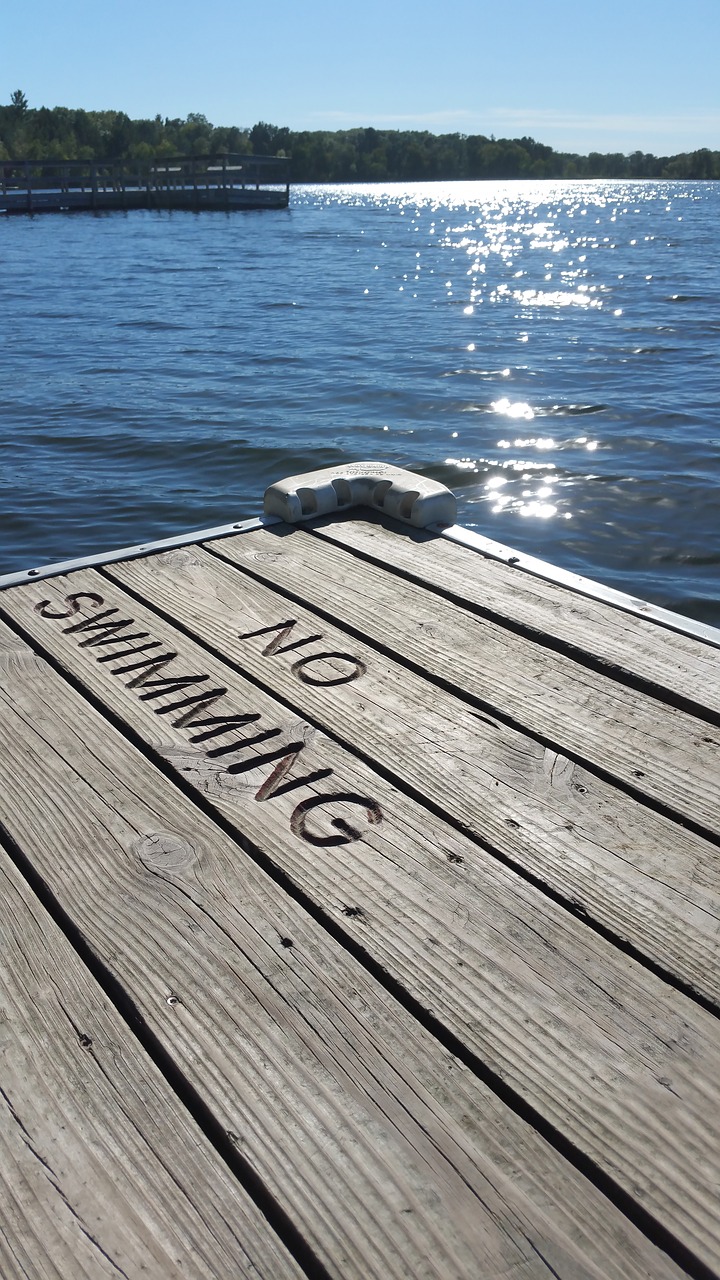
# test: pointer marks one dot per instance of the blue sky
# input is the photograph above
(613, 75)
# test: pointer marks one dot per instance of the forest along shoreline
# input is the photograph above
(347, 155)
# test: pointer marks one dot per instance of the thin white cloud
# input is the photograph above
(536, 120)
(575, 131)
(551, 119)
(451, 120)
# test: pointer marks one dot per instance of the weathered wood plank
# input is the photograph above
(623, 1066)
(665, 754)
(307, 1064)
(102, 1170)
(639, 874)
(634, 646)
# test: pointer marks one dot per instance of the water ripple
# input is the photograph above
(549, 350)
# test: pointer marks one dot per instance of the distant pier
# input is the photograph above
(222, 181)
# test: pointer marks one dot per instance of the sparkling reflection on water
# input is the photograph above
(548, 350)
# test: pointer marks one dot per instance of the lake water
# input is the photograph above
(549, 351)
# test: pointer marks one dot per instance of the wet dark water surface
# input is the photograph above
(549, 351)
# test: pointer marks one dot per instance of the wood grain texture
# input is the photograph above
(102, 1171)
(639, 874)
(284, 1036)
(622, 1065)
(635, 646)
(663, 753)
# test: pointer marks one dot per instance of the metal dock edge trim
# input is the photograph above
(455, 533)
(130, 553)
(577, 583)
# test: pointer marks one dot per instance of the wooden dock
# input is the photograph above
(360, 916)
(224, 182)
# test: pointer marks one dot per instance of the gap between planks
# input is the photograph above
(103, 1172)
(666, 662)
(514, 960)
(645, 880)
(575, 710)
(325, 1083)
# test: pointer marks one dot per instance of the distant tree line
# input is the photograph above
(349, 155)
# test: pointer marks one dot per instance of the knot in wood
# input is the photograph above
(166, 853)
(179, 557)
